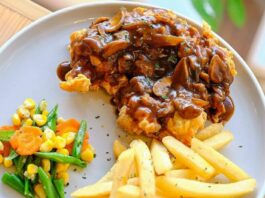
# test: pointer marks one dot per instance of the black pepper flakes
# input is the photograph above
(240, 146)
(83, 177)
(107, 134)
(74, 169)
(97, 117)
(67, 184)
(90, 128)
(95, 155)
(108, 159)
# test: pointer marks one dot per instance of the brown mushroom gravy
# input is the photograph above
(155, 64)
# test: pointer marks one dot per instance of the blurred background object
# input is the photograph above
(240, 22)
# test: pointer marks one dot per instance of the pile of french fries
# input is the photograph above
(172, 169)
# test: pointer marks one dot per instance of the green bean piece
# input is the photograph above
(58, 157)
(27, 189)
(38, 110)
(53, 169)
(52, 119)
(12, 155)
(14, 182)
(53, 112)
(47, 184)
(21, 161)
(5, 135)
(59, 185)
(79, 138)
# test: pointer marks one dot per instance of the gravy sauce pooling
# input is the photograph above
(155, 64)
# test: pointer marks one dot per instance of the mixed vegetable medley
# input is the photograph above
(41, 146)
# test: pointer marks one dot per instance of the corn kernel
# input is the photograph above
(32, 112)
(46, 164)
(59, 142)
(39, 190)
(1, 159)
(1, 146)
(40, 119)
(7, 163)
(43, 105)
(45, 112)
(32, 169)
(46, 146)
(69, 137)
(16, 119)
(48, 134)
(28, 122)
(87, 155)
(63, 151)
(29, 103)
(64, 176)
(23, 112)
(61, 167)
(60, 120)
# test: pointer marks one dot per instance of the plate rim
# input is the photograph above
(41, 20)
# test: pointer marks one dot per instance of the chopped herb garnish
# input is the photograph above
(157, 65)
(173, 59)
(164, 97)
(148, 81)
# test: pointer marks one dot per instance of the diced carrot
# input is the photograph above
(70, 125)
(26, 140)
(7, 146)
(7, 127)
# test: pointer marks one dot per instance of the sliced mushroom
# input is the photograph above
(100, 20)
(122, 35)
(160, 40)
(180, 76)
(125, 62)
(113, 47)
(134, 25)
(219, 71)
(200, 102)
(116, 22)
(162, 86)
(94, 44)
(95, 61)
(141, 84)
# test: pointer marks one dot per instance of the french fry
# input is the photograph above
(209, 131)
(133, 170)
(96, 190)
(121, 171)
(161, 158)
(218, 161)
(177, 165)
(178, 187)
(108, 176)
(118, 148)
(133, 181)
(183, 173)
(145, 168)
(188, 157)
(219, 140)
(128, 191)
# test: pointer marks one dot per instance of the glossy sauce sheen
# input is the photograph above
(155, 64)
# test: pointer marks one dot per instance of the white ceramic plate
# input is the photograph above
(28, 69)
